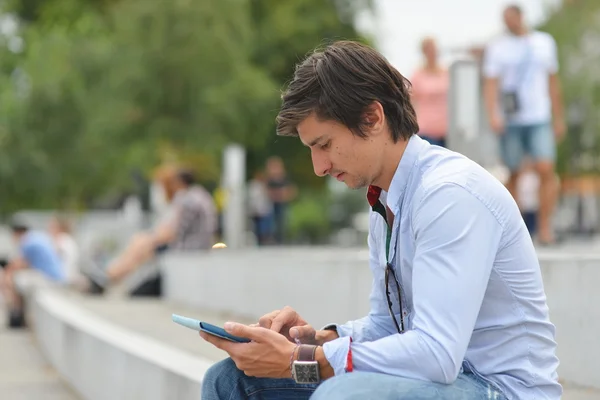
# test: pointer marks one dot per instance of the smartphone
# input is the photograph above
(208, 328)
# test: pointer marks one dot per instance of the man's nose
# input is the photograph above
(321, 163)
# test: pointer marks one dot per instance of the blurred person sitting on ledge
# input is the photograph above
(189, 225)
(458, 308)
(68, 251)
(36, 252)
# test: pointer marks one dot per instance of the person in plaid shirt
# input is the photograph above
(189, 225)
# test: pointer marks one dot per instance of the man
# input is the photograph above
(523, 101)
(281, 193)
(36, 252)
(190, 225)
(468, 312)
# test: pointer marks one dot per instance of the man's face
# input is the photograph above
(429, 49)
(275, 168)
(17, 236)
(336, 151)
(513, 20)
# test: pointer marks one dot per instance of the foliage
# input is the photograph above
(309, 218)
(105, 87)
(576, 29)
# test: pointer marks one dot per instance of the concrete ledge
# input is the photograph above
(252, 282)
(103, 361)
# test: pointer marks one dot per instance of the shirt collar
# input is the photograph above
(400, 179)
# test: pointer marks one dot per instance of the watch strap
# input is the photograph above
(306, 352)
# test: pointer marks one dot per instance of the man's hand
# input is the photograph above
(496, 124)
(559, 127)
(291, 325)
(281, 321)
(266, 356)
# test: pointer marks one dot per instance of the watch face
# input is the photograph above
(306, 372)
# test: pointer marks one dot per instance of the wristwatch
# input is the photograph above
(306, 369)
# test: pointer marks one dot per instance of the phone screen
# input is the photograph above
(220, 332)
(208, 328)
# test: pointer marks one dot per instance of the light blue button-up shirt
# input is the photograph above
(470, 279)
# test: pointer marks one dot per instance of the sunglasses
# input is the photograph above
(389, 272)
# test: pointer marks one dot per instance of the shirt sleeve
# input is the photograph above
(456, 239)
(491, 64)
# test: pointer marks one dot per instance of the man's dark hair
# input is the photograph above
(18, 227)
(515, 8)
(339, 83)
(187, 177)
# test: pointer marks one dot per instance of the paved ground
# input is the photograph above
(24, 374)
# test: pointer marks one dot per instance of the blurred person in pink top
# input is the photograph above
(430, 95)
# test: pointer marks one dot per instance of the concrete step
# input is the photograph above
(152, 317)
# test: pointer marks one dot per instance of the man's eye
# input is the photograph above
(326, 145)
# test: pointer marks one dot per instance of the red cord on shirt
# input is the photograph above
(349, 366)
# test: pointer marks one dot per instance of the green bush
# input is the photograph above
(309, 218)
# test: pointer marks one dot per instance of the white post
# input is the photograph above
(469, 133)
(233, 182)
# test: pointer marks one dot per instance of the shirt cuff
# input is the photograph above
(342, 330)
(336, 353)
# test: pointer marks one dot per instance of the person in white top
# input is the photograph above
(523, 101)
(260, 207)
(68, 251)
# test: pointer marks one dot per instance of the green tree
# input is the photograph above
(102, 87)
(286, 31)
(576, 29)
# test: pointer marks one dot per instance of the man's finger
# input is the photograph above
(303, 333)
(286, 316)
(222, 344)
(266, 320)
(245, 331)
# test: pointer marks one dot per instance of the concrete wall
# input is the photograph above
(572, 284)
(333, 285)
(103, 361)
(321, 283)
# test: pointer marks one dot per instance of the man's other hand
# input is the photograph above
(266, 356)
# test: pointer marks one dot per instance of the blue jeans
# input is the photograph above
(518, 141)
(223, 381)
(530, 218)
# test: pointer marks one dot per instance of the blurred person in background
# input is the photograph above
(281, 193)
(429, 95)
(190, 224)
(260, 207)
(528, 191)
(59, 229)
(36, 252)
(523, 101)
(458, 309)
(220, 199)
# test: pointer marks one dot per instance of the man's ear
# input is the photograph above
(374, 118)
